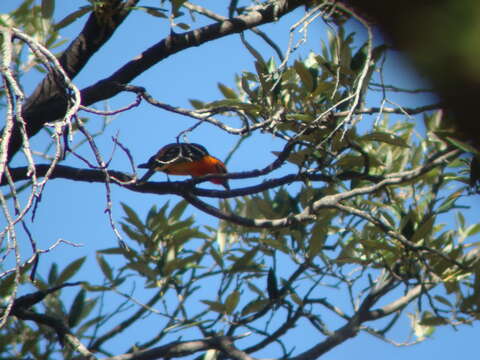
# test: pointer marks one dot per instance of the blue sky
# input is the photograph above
(75, 211)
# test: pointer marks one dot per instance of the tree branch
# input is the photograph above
(189, 192)
(351, 329)
(47, 105)
(184, 348)
(47, 102)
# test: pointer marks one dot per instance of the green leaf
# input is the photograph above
(255, 53)
(105, 267)
(143, 269)
(358, 60)
(197, 104)
(263, 206)
(255, 289)
(96, 288)
(449, 202)
(302, 117)
(113, 251)
(88, 324)
(152, 10)
(443, 300)
(48, 7)
(233, 103)
(421, 331)
(221, 240)
(30, 345)
(246, 87)
(241, 263)
(227, 92)
(430, 320)
(296, 299)
(53, 274)
(385, 138)
(472, 230)
(272, 285)
(183, 26)
(181, 264)
(305, 75)
(317, 240)
(76, 310)
(67, 20)
(462, 145)
(255, 306)
(134, 235)
(6, 285)
(132, 217)
(176, 5)
(215, 306)
(178, 210)
(216, 257)
(232, 301)
(70, 270)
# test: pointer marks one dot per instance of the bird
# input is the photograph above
(185, 159)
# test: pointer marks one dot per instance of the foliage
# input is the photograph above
(358, 206)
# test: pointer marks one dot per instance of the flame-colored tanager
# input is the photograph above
(185, 159)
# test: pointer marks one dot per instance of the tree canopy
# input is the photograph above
(348, 207)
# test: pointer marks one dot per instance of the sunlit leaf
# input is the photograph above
(449, 202)
(429, 320)
(385, 138)
(227, 92)
(462, 145)
(234, 103)
(421, 331)
(305, 75)
(197, 104)
(215, 306)
(231, 301)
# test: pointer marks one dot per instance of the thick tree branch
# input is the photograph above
(165, 187)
